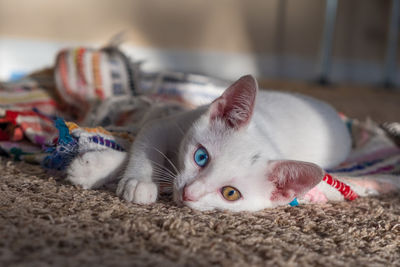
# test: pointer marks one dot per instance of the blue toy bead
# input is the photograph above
(294, 202)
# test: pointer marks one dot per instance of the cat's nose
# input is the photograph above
(186, 196)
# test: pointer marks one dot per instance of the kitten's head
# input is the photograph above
(223, 167)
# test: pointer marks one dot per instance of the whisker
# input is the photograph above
(169, 161)
(164, 176)
(163, 181)
(169, 183)
(163, 168)
(179, 128)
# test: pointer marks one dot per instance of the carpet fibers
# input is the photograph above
(47, 222)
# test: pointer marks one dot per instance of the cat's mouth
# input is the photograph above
(181, 197)
(185, 196)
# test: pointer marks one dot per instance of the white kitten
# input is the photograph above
(236, 146)
(241, 152)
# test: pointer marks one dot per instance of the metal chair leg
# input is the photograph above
(389, 72)
(327, 41)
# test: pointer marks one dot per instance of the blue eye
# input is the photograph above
(201, 157)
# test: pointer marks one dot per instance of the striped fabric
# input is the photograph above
(26, 95)
(85, 76)
(343, 188)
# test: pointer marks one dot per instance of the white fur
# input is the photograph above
(93, 169)
(283, 126)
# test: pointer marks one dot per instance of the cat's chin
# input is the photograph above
(197, 206)
(177, 197)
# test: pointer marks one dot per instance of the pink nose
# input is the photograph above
(186, 196)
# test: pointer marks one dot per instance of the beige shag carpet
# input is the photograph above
(47, 222)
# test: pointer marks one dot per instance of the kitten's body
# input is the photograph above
(259, 147)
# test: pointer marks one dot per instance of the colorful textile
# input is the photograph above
(36, 127)
(26, 94)
(343, 188)
(373, 163)
(74, 140)
(100, 87)
(374, 159)
(374, 151)
(23, 150)
(85, 76)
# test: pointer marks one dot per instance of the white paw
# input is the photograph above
(138, 192)
(92, 169)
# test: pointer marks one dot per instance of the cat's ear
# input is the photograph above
(235, 106)
(292, 179)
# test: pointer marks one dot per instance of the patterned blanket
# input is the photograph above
(97, 88)
(108, 95)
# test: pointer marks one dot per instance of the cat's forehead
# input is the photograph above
(212, 133)
(220, 139)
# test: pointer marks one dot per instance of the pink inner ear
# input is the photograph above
(236, 104)
(292, 179)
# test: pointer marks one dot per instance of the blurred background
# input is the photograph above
(349, 45)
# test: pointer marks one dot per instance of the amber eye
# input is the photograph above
(230, 193)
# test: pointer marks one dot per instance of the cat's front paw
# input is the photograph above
(92, 169)
(138, 192)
